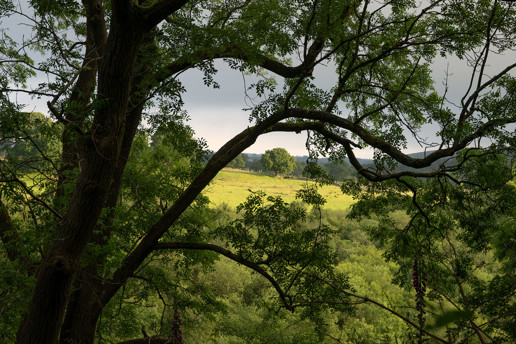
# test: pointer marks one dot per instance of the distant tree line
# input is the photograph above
(338, 171)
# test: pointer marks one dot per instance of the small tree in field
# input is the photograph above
(279, 161)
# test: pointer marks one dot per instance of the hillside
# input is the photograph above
(232, 188)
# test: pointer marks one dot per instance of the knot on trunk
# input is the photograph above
(61, 263)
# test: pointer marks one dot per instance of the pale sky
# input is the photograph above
(217, 114)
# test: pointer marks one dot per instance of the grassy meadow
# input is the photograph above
(232, 187)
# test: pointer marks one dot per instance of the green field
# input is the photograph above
(232, 188)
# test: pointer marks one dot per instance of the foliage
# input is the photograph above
(14, 295)
(113, 218)
(254, 165)
(279, 161)
(454, 230)
(341, 171)
(270, 234)
(237, 162)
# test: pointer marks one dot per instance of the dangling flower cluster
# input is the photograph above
(419, 281)
(177, 335)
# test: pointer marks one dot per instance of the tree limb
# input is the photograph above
(219, 160)
(386, 147)
(346, 143)
(227, 253)
(237, 52)
(152, 15)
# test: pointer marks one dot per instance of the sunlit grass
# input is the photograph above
(232, 188)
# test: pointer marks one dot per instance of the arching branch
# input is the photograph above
(386, 147)
(347, 144)
(237, 52)
(227, 253)
(219, 160)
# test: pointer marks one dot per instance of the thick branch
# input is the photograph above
(158, 11)
(219, 160)
(236, 52)
(380, 144)
(96, 37)
(346, 143)
(227, 253)
(81, 91)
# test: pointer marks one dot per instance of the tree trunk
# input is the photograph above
(85, 300)
(92, 300)
(72, 143)
(83, 311)
(57, 271)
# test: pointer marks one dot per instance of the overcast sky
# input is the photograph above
(217, 114)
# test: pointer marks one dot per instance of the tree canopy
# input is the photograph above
(92, 214)
(279, 161)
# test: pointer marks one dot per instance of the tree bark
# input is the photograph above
(56, 273)
(84, 308)
(81, 95)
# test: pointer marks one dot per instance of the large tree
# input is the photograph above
(108, 64)
(279, 161)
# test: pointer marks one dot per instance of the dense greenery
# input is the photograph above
(105, 228)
